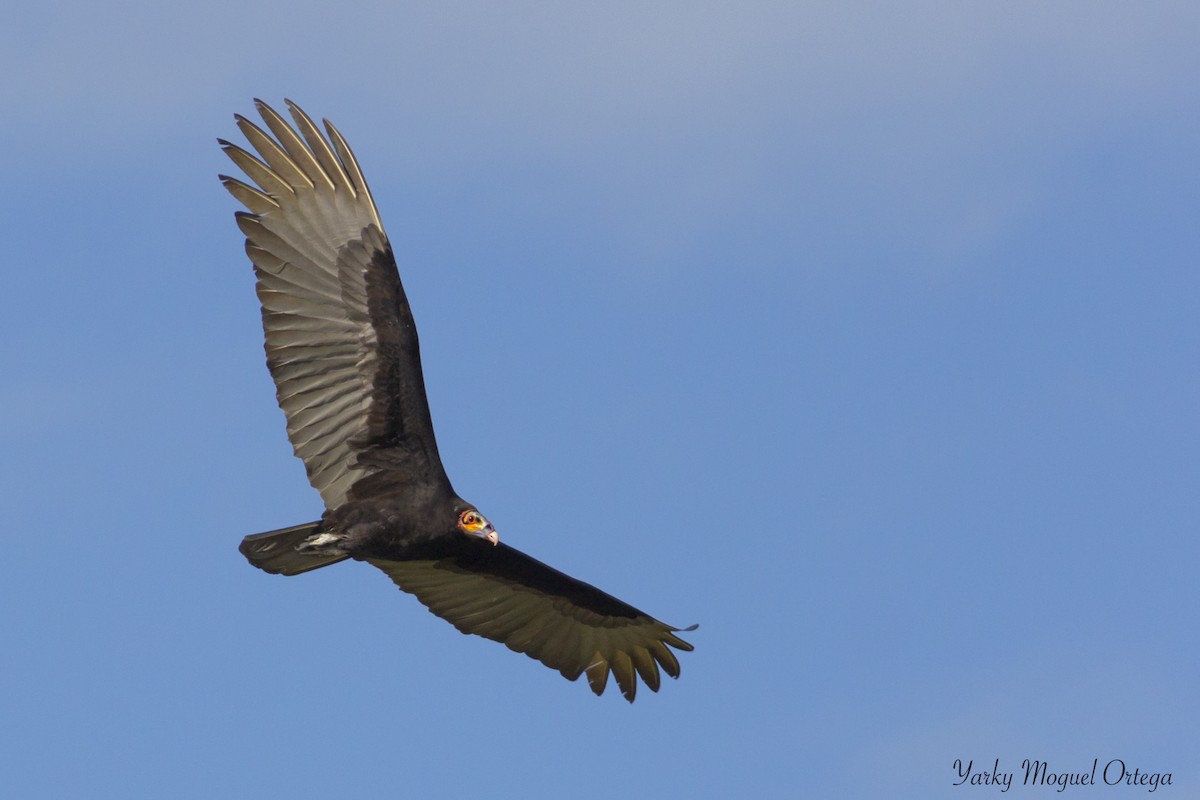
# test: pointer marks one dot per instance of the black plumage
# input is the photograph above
(342, 347)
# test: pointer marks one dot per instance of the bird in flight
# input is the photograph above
(342, 348)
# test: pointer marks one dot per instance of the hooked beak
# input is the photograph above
(489, 533)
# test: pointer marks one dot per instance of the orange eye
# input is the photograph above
(469, 518)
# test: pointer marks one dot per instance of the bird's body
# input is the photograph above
(394, 526)
(343, 350)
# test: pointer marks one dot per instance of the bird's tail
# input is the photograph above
(276, 551)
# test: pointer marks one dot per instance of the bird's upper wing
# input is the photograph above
(340, 339)
(504, 595)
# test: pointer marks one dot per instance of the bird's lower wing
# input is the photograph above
(504, 595)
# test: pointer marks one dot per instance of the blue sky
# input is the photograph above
(863, 337)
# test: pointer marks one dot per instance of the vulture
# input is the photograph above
(342, 349)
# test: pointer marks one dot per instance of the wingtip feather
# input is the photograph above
(597, 674)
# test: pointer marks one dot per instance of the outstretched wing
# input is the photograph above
(504, 595)
(340, 339)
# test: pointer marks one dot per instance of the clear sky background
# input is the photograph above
(863, 336)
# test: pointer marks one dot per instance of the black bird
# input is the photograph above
(342, 347)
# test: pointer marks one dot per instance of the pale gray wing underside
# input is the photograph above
(566, 624)
(339, 336)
